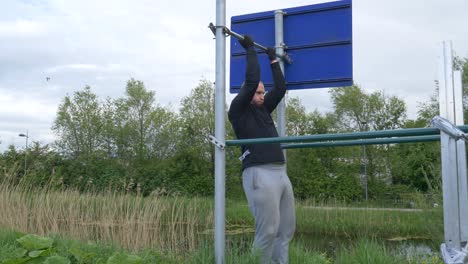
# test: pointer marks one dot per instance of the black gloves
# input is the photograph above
(271, 52)
(247, 42)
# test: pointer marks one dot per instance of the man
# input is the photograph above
(265, 182)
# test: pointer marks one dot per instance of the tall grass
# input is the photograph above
(179, 226)
(371, 251)
(356, 223)
(168, 224)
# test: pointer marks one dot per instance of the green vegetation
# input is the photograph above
(180, 229)
(16, 247)
(369, 251)
(169, 224)
(132, 144)
(130, 176)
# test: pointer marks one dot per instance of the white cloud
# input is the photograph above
(21, 28)
(79, 67)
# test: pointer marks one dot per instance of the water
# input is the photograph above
(409, 249)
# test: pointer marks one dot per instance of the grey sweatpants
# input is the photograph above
(271, 200)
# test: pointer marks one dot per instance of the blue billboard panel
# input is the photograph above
(318, 39)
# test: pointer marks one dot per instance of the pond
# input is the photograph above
(332, 247)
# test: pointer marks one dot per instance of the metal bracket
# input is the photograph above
(453, 256)
(447, 127)
(216, 142)
(212, 27)
(282, 12)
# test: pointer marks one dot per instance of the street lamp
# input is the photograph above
(26, 150)
(364, 123)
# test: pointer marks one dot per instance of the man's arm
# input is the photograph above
(273, 97)
(252, 78)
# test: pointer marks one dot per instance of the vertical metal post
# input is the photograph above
(365, 173)
(220, 155)
(25, 150)
(366, 182)
(279, 45)
(26, 153)
(448, 151)
(461, 157)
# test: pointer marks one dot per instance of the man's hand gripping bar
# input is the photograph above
(226, 31)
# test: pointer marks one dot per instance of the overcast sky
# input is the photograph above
(167, 45)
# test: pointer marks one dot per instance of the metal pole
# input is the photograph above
(448, 150)
(361, 142)
(365, 172)
(408, 132)
(220, 155)
(26, 152)
(461, 157)
(364, 127)
(279, 45)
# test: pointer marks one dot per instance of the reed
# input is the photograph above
(183, 227)
(354, 223)
(167, 224)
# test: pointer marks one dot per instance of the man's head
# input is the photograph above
(258, 97)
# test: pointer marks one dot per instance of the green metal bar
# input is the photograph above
(410, 132)
(363, 142)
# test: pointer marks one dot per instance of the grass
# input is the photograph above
(169, 224)
(371, 251)
(181, 229)
(362, 251)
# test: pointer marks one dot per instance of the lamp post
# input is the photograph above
(364, 123)
(26, 150)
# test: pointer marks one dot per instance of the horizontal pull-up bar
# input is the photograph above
(409, 132)
(359, 142)
(227, 31)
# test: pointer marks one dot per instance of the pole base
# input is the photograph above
(453, 256)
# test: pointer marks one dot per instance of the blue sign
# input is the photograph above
(318, 39)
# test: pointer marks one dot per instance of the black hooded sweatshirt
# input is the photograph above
(252, 121)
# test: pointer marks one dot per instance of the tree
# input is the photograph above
(139, 104)
(196, 155)
(351, 107)
(11, 163)
(297, 122)
(356, 110)
(418, 164)
(319, 173)
(145, 137)
(386, 112)
(78, 125)
(427, 110)
(461, 64)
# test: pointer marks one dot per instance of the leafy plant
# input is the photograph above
(35, 243)
(82, 256)
(121, 258)
(38, 249)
